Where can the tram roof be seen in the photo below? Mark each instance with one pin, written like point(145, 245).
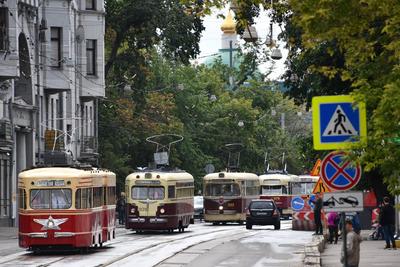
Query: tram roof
point(308, 177)
point(231, 175)
point(163, 174)
point(64, 172)
point(280, 176)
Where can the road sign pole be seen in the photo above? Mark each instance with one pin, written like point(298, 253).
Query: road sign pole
point(344, 238)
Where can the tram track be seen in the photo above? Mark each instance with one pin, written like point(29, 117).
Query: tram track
point(45, 260)
point(132, 253)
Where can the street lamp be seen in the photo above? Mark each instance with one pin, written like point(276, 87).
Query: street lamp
point(250, 35)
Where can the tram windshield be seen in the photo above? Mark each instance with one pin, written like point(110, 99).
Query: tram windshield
point(273, 190)
point(228, 189)
point(302, 188)
point(51, 198)
point(148, 192)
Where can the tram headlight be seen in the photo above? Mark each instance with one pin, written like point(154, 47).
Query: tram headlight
point(133, 210)
point(221, 207)
point(162, 211)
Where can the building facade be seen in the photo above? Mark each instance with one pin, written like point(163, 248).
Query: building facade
point(51, 77)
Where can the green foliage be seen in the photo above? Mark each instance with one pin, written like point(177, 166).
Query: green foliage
point(193, 101)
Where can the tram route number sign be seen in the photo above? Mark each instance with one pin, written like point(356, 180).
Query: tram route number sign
point(348, 201)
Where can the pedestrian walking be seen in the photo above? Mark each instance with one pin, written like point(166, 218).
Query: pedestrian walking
point(352, 246)
point(317, 214)
point(387, 220)
point(121, 204)
point(333, 226)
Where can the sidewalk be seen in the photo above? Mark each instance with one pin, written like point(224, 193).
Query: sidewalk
point(371, 254)
point(9, 241)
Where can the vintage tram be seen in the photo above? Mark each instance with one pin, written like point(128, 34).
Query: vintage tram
point(304, 185)
point(66, 207)
point(227, 196)
point(159, 199)
point(276, 185)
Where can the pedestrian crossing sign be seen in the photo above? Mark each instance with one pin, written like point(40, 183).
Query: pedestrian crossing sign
point(339, 122)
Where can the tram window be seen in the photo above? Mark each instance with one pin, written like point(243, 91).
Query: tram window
point(111, 195)
point(87, 200)
point(171, 191)
point(105, 195)
point(184, 192)
point(22, 199)
point(143, 192)
point(78, 199)
point(97, 196)
point(230, 189)
point(273, 190)
point(90, 198)
point(51, 198)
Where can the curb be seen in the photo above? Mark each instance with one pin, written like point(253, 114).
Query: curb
point(313, 250)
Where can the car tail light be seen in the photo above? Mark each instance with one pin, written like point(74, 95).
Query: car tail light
point(276, 213)
point(248, 212)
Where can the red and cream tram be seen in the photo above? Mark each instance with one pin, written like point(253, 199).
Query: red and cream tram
point(227, 196)
point(276, 186)
point(159, 199)
point(66, 207)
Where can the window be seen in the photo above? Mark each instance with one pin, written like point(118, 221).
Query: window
point(3, 28)
point(252, 188)
point(228, 189)
point(184, 192)
point(55, 39)
point(171, 191)
point(152, 193)
point(22, 199)
point(90, 4)
point(97, 197)
point(111, 196)
point(262, 205)
point(91, 57)
point(273, 190)
point(51, 198)
point(83, 198)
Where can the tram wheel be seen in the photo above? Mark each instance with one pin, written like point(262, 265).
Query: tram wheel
point(223, 223)
point(215, 223)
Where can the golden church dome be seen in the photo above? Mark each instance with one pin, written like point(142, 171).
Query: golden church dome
point(229, 25)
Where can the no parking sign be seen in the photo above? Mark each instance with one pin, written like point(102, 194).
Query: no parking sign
point(338, 173)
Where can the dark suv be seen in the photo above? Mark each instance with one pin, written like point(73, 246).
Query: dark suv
point(263, 212)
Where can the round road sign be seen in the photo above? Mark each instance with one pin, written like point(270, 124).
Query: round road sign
point(297, 203)
point(339, 174)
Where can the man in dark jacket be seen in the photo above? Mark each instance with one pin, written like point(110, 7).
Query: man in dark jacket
point(121, 204)
point(387, 220)
point(317, 214)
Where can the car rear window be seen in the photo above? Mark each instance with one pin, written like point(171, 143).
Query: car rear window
point(262, 205)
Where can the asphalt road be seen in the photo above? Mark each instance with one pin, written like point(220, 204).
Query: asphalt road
point(201, 245)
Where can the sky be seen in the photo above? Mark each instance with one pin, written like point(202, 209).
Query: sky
point(211, 40)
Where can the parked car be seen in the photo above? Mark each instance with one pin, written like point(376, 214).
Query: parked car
point(198, 207)
point(263, 212)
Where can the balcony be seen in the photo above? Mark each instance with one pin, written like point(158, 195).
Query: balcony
point(6, 141)
point(89, 150)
